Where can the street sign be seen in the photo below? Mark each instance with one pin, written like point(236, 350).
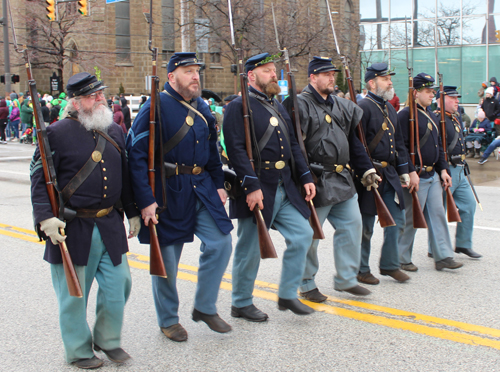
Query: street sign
point(113, 1)
point(283, 84)
point(55, 83)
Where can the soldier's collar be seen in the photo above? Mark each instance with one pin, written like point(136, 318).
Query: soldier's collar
point(261, 94)
point(318, 96)
point(376, 98)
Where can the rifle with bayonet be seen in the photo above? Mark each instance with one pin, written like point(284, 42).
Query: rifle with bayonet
point(451, 207)
point(418, 216)
point(267, 249)
point(313, 219)
point(383, 213)
point(156, 264)
point(49, 171)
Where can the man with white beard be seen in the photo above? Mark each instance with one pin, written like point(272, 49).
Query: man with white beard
point(91, 166)
point(388, 152)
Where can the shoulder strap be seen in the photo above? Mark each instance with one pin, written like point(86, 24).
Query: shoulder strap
point(79, 178)
point(192, 107)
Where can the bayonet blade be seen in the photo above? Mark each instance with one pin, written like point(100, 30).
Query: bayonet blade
point(230, 12)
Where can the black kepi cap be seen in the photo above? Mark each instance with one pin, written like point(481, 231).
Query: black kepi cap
point(321, 64)
point(450, 91)
point(377, 70)
point(83, 84)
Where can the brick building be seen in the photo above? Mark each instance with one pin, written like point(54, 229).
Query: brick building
point(114, 38)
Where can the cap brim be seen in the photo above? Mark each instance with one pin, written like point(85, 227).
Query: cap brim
point(326, 69)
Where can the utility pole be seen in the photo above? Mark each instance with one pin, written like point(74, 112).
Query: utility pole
point(5, 23)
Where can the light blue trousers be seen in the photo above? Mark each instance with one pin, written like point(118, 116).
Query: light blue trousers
point(346, 220)
point(430, 194)
point(466, 204)
point(114, 283)
point(298, 237)
point(215, 253)
point(389, 258)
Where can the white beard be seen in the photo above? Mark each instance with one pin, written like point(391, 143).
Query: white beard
point(99, 118)
point(386, 95)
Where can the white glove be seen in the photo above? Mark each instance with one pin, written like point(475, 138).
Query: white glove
point(370, 179)
point(51, 228)
point(405, 179)
point(134, 224)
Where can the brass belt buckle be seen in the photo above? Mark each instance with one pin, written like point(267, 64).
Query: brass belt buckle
point(280, 164)
point(102, 213)
point(196, 170)
point(428, 168)
point(339, 168)
point(462, 157)
point(384, 164)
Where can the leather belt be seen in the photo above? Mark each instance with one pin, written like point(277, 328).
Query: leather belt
point(425, 168)
point(272, 164)
point(318, 168)
point(93, 213)
point(176, 169)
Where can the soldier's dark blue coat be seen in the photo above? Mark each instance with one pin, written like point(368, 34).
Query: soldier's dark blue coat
point(276, 149)
point(198, 147)
point(432, 151)
point(390, 149)
point(72, 145)
point(452, 124)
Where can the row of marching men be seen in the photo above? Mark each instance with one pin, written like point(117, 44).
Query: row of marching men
point(336, 174)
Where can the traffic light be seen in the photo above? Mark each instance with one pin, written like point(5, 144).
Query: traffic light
point(14, 79)
point(497, 35)
point(51, 10)
point(83, 10)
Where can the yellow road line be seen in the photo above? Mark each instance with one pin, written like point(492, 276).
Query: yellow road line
point(142, 262)
point(363, 305)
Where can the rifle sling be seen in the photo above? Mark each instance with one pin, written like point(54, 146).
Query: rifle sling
point(456, 137)
point(184, 129)
point(270, 129)
point(378, 137)
point(79, 178)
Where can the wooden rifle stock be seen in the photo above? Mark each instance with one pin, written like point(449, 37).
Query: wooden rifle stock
point(384, 216)
point(418, 216)
point(451, 208)
point(156, 264)
point(313, 219)
point(74, 288)
point(266, 245)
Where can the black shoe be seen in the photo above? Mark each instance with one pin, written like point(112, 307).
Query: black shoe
point(213, 321)
point(469, 252)
point(295, 306)
point(250, 313)
point(89, 363)
point(356, 290)
point(430, 255)
point(314, 295)
point(116, 355)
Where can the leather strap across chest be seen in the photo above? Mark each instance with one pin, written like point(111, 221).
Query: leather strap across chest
point(96, 156)
point(378, 137)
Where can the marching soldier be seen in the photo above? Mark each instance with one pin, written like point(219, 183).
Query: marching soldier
point(270, 187)
point(461, 190)
point(329, 124)
point(195, 195)
point(91, 166)
point(428, 184)
point(387, 149)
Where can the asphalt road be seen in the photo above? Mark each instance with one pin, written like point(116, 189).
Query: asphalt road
point(438, 321)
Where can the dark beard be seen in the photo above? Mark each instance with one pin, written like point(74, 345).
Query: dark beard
point(327, 91)
point(270, 89)
point(184, 91)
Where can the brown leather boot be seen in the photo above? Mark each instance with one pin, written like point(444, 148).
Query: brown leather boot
point(367, 278)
